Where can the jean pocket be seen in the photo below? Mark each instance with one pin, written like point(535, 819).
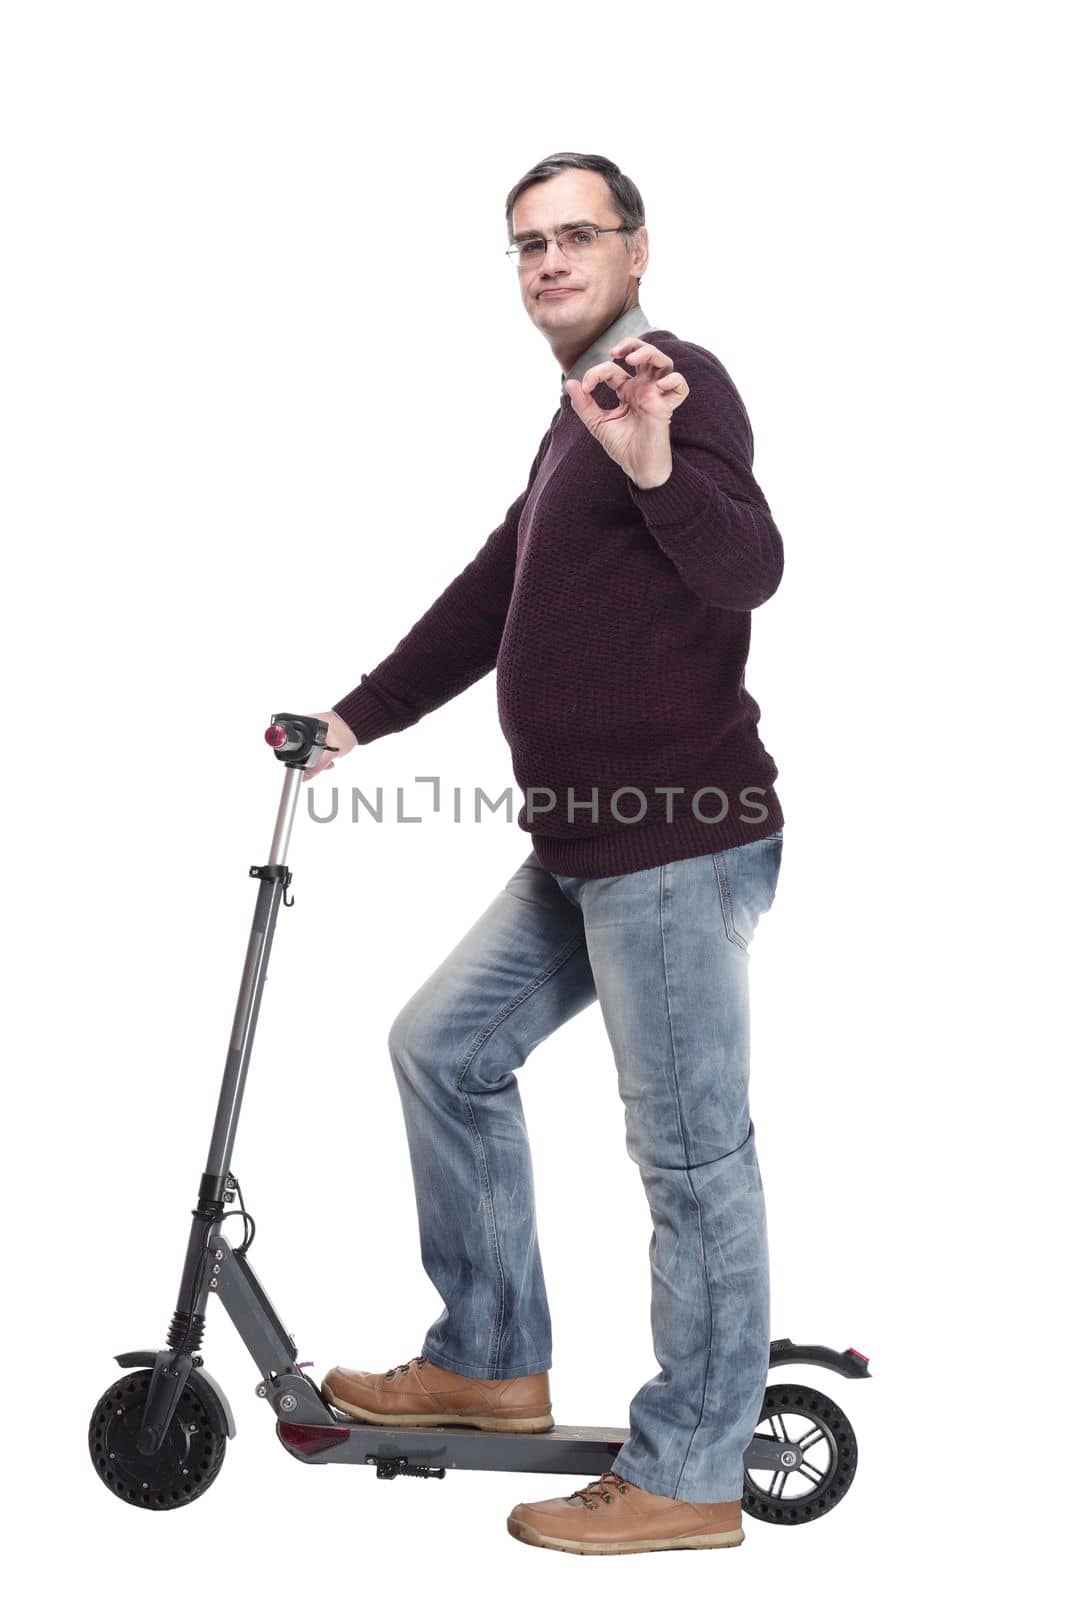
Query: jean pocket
point(747, 876)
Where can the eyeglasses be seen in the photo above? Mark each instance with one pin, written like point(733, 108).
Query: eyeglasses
point(572, 242)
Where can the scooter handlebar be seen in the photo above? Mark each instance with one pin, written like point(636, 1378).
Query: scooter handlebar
point(295, 739)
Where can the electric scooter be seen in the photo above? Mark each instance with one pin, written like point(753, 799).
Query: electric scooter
point(158, 1435)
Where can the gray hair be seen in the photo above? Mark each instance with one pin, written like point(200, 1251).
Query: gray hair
point(624, 192)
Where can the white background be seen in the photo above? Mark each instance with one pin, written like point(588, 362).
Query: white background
point(267, 386)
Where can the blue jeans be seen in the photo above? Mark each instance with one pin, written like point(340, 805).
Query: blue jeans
point(665, 951)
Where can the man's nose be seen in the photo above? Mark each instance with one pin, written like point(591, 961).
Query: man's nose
point(560, 259)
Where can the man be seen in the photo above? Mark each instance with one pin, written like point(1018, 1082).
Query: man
point(614, 601)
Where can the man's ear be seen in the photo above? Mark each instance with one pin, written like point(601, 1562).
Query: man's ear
point(640, 249)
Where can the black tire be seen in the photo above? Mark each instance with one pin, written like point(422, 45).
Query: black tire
point(185, 1466)
point(822, 1436)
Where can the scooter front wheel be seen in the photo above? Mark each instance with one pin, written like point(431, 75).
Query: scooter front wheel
point(822, 1450)
point(182, 1469)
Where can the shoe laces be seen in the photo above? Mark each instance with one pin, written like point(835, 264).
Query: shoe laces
point(416, 1361)
point(606, 1486)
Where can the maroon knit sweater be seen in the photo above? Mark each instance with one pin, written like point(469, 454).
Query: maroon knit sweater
point(618, 620)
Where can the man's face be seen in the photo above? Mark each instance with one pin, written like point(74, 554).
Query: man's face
point(598, 285)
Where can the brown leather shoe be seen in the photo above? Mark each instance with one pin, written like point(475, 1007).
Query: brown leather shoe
point(612, 1517)
point(418, 1394)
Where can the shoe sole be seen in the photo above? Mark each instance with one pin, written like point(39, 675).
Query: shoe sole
point(582, 1547)
point(442, 1418)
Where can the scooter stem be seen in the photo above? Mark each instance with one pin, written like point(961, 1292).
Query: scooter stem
point(274, 880)
point(294, 740)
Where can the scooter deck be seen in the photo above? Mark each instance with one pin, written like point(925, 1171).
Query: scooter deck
point(562, 1449)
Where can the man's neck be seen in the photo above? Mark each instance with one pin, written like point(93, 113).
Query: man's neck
point(630, 322)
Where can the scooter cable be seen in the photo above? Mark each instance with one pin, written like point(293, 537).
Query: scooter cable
point(249, 1222)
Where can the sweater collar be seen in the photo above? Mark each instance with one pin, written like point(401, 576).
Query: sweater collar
point(630, 323)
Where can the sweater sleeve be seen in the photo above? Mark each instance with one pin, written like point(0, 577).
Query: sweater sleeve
point(710, 516)
point(452, 645)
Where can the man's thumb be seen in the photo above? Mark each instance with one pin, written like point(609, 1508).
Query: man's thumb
point(583, 403)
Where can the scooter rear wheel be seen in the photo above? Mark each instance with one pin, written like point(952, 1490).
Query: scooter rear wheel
point(820, 1436)
point(181, 1470)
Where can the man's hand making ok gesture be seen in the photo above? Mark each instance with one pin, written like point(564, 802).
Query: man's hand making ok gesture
point(637, 433)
